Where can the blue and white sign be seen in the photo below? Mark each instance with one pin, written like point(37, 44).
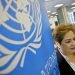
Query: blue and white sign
point(26, 45)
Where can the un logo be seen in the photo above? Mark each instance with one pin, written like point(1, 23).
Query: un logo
point(20, 24)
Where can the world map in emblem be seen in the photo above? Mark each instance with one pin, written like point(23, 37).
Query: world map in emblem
point(20, 24)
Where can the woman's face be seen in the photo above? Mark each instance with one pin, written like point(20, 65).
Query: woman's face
point(68, 43)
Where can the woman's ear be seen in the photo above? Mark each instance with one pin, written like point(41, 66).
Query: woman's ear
point(57, 45)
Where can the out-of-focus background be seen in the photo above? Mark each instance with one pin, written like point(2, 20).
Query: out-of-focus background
point(60, 11)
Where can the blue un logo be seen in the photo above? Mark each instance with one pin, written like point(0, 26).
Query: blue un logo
point(20, 23)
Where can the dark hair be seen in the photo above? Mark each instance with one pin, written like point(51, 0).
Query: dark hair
point(61, 30)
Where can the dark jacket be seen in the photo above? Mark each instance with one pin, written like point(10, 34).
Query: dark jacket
point(64, 67)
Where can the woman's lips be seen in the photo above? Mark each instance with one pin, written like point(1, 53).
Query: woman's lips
point(73, 48)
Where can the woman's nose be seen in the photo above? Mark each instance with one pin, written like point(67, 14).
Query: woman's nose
point(73, 42)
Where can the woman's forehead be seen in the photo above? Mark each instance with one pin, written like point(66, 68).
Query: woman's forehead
point(68, 35)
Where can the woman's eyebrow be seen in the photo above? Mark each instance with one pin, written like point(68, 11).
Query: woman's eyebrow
point(67, 39)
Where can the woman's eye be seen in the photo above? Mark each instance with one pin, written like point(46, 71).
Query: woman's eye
point(67, 41)
point(74, 38)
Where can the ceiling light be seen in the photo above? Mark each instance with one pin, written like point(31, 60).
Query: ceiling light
point(53, 13)
point(51, 16)
point(73, 8)
point(73, 3)
point(56, 14)
point(58, 5)
point(46, 0)
point(48, 11)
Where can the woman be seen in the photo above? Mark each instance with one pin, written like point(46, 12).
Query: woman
point(64, 36)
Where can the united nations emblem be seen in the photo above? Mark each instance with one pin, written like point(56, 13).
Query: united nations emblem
point(20, 24)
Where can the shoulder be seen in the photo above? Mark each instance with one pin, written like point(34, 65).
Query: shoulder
point(64, 67)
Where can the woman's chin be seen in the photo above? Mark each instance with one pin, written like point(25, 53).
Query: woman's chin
point(73, 50)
